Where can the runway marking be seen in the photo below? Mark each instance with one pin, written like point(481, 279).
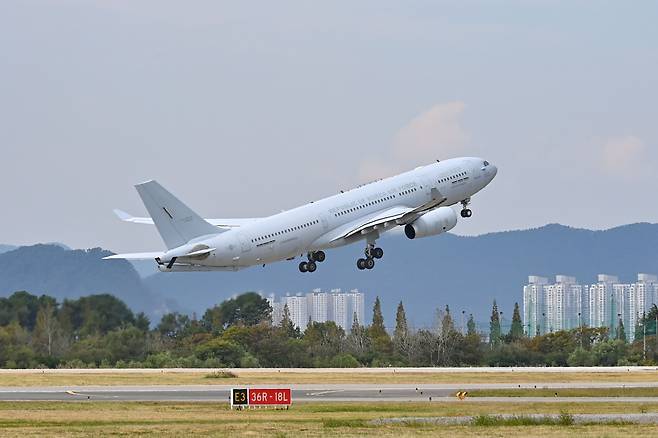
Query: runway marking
point(325, 392)
point(70, 392)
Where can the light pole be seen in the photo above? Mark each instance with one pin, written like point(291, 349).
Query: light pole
point(463, 328)
point(618, 326)
point(580, 326)
point(644, 340)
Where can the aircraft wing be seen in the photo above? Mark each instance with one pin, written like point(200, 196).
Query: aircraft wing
point(398, 215)
point(221, 223)
point(381, 220)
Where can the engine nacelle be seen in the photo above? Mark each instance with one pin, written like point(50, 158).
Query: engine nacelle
point(434, 222)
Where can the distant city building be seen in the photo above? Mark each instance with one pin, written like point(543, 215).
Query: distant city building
point(601, 302)
point(318, 306)
point(298, 308)
point(642, 295)
point(339, 309)
point(566, 304)
point(357, 307)
point(563, 304)
point(277, 309)
point(533, 305)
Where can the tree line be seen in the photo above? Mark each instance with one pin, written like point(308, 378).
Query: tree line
point(101, 331)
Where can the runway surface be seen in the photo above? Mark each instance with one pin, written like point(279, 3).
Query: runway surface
point(312, 393)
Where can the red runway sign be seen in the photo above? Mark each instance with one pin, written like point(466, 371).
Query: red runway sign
point(269, 396)
point(261, 397)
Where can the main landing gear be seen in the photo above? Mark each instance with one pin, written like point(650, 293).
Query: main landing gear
point(313, 257)
point(371, 253)
point(466, 212)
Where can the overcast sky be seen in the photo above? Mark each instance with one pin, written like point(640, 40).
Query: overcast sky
point(246, 108)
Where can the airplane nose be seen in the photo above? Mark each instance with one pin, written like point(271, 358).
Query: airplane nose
point(494, 170)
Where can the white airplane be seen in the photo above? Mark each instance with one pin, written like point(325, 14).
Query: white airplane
point(418, 200)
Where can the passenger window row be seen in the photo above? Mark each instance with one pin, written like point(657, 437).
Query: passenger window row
point(452, 177)
point(287, 230)
point(367, 204)
point(406, 192)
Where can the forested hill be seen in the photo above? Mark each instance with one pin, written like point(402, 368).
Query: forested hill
point(63, 273)
point(5, 248)
point(465, 272)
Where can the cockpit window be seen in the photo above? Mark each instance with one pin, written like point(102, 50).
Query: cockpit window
point(486, 163)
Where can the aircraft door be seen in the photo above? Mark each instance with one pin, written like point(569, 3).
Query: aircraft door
point(245, 243)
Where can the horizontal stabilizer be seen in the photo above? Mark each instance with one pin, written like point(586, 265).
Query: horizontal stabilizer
point(129, 218)
point(136, 256)
point(220, 223)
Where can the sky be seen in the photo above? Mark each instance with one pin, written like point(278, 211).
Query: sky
point(245, 108)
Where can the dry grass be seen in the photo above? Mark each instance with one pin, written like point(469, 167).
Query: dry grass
point(566, 392)
point(251, 378)
point(348, 419)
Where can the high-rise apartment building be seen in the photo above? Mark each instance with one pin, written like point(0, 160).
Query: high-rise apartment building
point(319, 306)
point(602, 311)
point(566, 304)
point(298, 308)
point(533, 306)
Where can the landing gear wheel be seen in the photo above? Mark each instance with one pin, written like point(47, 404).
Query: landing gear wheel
point(311, 266)
point(303, 267)
point(466, 213)
point(319, 256)
point(370, 263)
point(378, 253)
point(361, 264)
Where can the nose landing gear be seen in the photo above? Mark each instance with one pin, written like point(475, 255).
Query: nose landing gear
point(466, 212)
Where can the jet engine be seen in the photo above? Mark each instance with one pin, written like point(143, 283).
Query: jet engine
point(434, 222)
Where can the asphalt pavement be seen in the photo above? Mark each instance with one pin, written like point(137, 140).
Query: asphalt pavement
point(316, 392)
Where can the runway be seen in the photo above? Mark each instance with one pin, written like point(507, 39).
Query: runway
point(313, 393)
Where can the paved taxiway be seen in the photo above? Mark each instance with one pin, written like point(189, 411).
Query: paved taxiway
point(316, 392)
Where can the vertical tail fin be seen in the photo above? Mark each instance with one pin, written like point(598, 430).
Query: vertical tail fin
point(176, 223)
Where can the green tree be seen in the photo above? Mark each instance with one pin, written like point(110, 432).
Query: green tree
point(323, 341)
point(142, 322)
point(22, 307)
point(401, 333)
point(401, 329)
point(471, 329)
point(246, 309)
point(377, 331)
point(288, 326)
point(173, 325)
point(97, 314)
point(358, 342)
point(447, 323)
point(516, 331)
point(226, 352)
point(46, 330)
point(621, 332)
point(494, 325)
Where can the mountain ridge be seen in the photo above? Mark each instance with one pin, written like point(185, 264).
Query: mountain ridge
point(465, 272)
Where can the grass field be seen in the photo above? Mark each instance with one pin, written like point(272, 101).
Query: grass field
point(566, 392)
point(347, 419)
point(117, 377)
